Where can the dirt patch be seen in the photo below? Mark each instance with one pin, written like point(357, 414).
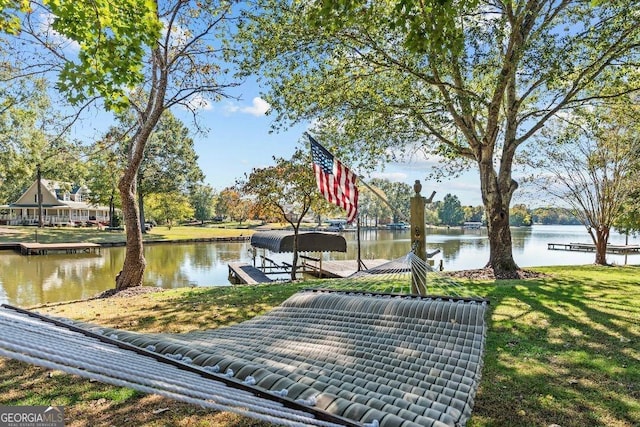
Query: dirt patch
point(489, 274)
point(129, 292)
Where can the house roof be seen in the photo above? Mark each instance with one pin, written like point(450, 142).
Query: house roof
point(55, 191)
point(282, 241)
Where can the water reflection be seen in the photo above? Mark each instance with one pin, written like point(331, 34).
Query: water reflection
point(31, 280)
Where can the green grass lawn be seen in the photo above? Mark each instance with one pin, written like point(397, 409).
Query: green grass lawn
point(94, 235)
point(563, 349)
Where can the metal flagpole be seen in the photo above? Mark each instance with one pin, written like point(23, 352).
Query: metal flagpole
point(361, 265)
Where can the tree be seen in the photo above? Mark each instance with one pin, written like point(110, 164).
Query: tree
point(473, 213)
point(628, 219)
point(201, 198)
point(554, 215)
point(383, 92)
point(431, 214)
point(170, 162)
point(170, 208)
point(595, 168)
point(451, 212)
point(9, 19)
point(520, 216)
point(398, 195)
point(227, 199)
point(32, 136)
point(145, 55)
point(105, 164)
point(370, 206)
point(289, 187)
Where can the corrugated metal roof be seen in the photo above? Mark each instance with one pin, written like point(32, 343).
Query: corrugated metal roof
point(282, 241)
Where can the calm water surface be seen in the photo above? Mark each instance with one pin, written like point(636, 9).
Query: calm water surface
point(31, 280)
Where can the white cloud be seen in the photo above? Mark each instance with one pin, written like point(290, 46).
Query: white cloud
point(391, 176)
point(46, 28)
point(414, 157)
point(199, 102)
point(258, 107)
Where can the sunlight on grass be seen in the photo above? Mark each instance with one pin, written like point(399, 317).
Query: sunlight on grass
point(563, 349)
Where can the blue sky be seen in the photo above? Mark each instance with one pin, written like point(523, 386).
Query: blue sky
point(239, 139)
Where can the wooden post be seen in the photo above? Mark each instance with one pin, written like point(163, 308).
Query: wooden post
point(39, 177)
point(418, 238)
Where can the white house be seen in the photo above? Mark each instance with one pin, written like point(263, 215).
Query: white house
point(62, 204)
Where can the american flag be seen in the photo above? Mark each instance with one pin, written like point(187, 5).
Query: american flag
point(335, 181)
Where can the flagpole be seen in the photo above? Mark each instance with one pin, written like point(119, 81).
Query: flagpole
point(361, 265)
point(358, 239)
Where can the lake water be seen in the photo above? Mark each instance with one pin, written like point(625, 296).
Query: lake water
point(30, 280)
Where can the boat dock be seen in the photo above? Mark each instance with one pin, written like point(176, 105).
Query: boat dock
point(337, 269)
point(69, 248)
point(241, 273)
point(590, 247)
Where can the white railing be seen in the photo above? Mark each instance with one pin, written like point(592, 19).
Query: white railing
point(53, 220)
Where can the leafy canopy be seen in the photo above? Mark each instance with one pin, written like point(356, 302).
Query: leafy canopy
point(427, 25)
point(9, 20)
point(112, 37)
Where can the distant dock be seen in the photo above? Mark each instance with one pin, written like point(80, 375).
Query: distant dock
point(590, 247)
point(69, 248)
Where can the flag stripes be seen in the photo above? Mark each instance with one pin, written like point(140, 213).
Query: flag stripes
point(335, 181)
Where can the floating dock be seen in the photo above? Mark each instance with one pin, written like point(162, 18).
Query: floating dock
point(590, 247)
point(69, 248)
point(338, 269)
point(241, 273)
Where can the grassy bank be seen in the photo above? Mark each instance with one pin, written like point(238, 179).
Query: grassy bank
point(94, 235)
point(564, 349)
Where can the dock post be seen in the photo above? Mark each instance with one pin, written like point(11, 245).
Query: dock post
point(418, 238)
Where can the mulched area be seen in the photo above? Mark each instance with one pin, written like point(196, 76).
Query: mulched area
point(489, 274)
point(129, 292)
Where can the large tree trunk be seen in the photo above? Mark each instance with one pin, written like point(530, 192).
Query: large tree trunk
point(601, 239)
point(496, 196)
point(500, 249)
point(134, 262)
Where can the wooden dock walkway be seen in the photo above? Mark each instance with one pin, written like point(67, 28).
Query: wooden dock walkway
point(69, 248)
point(590, 247)
point(336, 269)
point(241, 273)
